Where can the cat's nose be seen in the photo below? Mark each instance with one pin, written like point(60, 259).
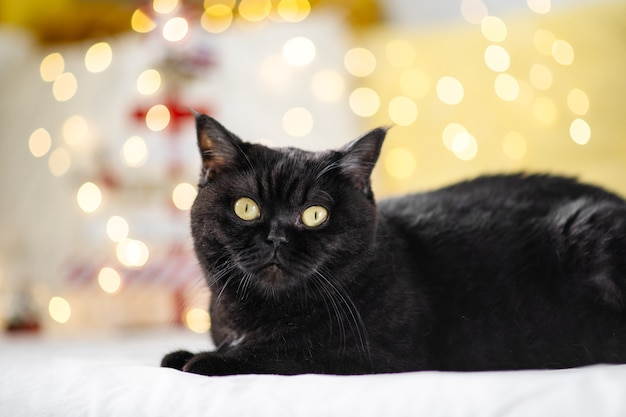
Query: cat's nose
point(277, 239)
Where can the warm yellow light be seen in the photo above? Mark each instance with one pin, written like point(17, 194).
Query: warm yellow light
point(493, 29)
point(216, 18)
point(75, 130)
point(400, 53)
point(184, 195)
point(228, 3)
point(64, 87)
point(402, 110)
point(164, 6)
point(51, 67)
point(175, 29)
point(400, 163)
point(540, 77)
point(293, 11)
point(562, 52)
point(39, 142)
point(414, 83)
point(464, 146)
point(543, 41)
point(141, 22)
point(473, 11)
point(117, 228)
point(158, 117)
point(359, 62)
point(89, 197)
point(254, 10)
point(506, 87)
point(132, 253)
point(539, 6)
point(134, 152)
point(299, 51)
point(328, 85)
point(98, 57)
point(59, 309)
point(544, 110)
point(578, 102)
point(109, 280)
point(149, 82)
point(450, 90)
point(514, 146)
point(364, 102)
point(59, 162)
point(298, 122)
point(450, 132)
point(580, 131)
point(497, 58)
point(197, 320)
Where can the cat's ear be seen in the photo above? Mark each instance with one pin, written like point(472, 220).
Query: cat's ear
point(220, 149)
point(360, 156)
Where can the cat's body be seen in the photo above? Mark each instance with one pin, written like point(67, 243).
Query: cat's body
point(502, 272)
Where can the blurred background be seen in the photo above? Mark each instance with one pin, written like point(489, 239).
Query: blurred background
point(98, 156)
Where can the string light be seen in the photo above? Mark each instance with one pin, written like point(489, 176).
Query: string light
point(360, 62)
point(497, 58)
point(64, 87)
point(175, 29)
point(134, 152)
point(164, 6)
point(59, 162)
point(197, 320)
point(580, 131)
point(578, 102)
point(39, 142)
point(544, 111)
point(117, 228)
point(158, 117)
point(293, 11)
point(51, 67)
point(450, 90)
point(543, 41)
point(364, 102)
point(514, 146)
point(299, 51)
point(98, 57)
point(473, 11)
point(109, 280)
point(562, 52)
point(216, 18)
point(493, 29)
point(464, 146)
point(402, 110)
point(75, 130)
point(539, 6)
point(141, 22)
point(328, 85)
point(414, 83)
point(450, 132)
point(149, 82)
point(89, 197)
point(298, 122)
point(254, 10)
point(59, 309)
point(506, 87)
point(400, 53)
point(400, 163)
point(540, 77)
point(184, 195)
point(132, 253)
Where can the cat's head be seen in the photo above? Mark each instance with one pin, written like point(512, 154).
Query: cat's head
point(274, 219)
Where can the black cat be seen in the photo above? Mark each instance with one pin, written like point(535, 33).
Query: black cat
point(309, 275)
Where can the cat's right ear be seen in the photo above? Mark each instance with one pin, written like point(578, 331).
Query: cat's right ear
point(220, 149)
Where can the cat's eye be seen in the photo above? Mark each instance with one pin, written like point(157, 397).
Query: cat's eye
point(247, 209)
point(314, 216)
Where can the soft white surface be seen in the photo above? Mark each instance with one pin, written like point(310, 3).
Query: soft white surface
point(120, 377)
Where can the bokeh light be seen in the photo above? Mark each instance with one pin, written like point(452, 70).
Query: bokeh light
point(184, 195)
point(149, 82)
point(254, 10)
point(216, 18)
point(298, 122)
point(175, 29)
point(89, 197)
point(359, 62)
point(364, 102)
point(450, 90)
point(540, 77)
point(493, 29)
point(402, 110)
point(197, 320)
point(400, 163)
point(98, 57)
point(64, 87)
point(578, 102)
point(293, 11)
point(117, 228)
point(497, 58)
point(51, 67)
point(59, 309)
point(473, 11)
point(464, 146)
point(414, 83)
point(328, 85)
point(39, 142)
point(75, 130)
point(132, 253)
point(164, 6)
point(450, 132)
point(59, 162)
point(134, 152)
point(539, 6)
point(514, 146)
point(109, 280)
point(141, 22)
point(506, 87)
point(543, 41)
point(299, 51)
point(400, 53)
point(158, 117)
point(562, 52)
point(544, 111)
point(580, 131)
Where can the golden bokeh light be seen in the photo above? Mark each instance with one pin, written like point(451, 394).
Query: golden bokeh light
point(543, 41)
point(450, 90)
point(562, 52)
point(141, 22)
point(216, 18)
point(109, 280)
point(359, 62)
point(400, 53)
point(493, 29)
point(400, 163)
point(134, 152)
point(132, 253)
point(506, 87)
point(64, 87)
point(175, 29)
point(39, 142)
point(89, 197)
point(298, 122)
point(98, 57)
point(402, 110)
point(540, 77)
point(364, 102)
point(474, 11)
point(117, 228)
point(254, 10)
point(149, 82)
point(578, 102)
point(51, 67)
point(59, 309)
point(184, 195)
point(450, 132)
point(158, 117)
point(164, 6)
point(293, 11)
point(59, 162)
point(544, 111)
point(497, 58)
point(328, 85)
point(580, 131)
point(75, 130)
point(299, 51)
point(539, 6)
point(197, 320)
point(514, 146)
point(464, 146)
point(414, 83)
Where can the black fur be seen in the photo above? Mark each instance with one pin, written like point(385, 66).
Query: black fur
point(501, 272)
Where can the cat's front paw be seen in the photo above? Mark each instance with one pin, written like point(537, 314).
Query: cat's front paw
point(211, 364)
point(176, 360)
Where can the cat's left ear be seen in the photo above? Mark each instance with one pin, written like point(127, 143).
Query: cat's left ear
point(360, 156)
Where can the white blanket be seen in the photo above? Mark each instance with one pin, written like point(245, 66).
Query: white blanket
point(121, 378)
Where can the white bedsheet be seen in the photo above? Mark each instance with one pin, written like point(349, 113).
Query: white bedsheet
point(121, 377)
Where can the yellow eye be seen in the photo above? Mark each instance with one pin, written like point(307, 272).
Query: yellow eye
point(247, 209)
point(314, 216)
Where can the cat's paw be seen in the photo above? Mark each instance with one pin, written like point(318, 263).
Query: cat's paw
point(176, 360)
point(211, 364)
